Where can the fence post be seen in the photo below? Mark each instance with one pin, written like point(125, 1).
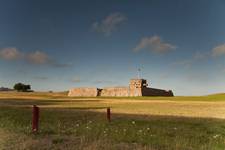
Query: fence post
point(35, 119)
point(108, 114)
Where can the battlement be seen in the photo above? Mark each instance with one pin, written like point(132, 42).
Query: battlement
point(138, 83)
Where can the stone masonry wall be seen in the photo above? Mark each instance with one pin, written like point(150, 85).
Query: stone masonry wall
point(137, 87)
point(82, 92)
point(115, 91)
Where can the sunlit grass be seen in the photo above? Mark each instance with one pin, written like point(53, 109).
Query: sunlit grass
point(205, 106)
point(63, 95)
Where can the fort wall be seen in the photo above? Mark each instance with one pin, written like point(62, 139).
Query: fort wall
point(137, 87)
point(156, 92)
point(115, 91)
point(82, 92)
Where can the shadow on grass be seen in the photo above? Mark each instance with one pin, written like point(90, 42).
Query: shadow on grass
point(157, 132)
point(23, 102)
point(92, 111)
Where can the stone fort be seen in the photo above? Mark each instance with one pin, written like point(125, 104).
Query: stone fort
point(137, 87)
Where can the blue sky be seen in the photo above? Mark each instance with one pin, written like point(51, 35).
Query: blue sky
point(56, 45)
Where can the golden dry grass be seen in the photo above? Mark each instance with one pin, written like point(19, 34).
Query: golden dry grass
point(207, 107)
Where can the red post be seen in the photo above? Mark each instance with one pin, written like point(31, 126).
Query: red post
point(108, 114)
point(35, 119)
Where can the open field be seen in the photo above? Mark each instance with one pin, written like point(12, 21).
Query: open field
point(137, 123)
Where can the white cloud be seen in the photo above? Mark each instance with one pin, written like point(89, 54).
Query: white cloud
point(38, 57)
point(13, 53)
point(197, 57)
point(10, 53)
point(109, 24)
point(154, 44)
point(218, 50)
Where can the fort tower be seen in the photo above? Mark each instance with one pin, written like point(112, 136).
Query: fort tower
point(136, 86)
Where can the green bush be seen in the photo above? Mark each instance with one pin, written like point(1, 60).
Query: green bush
point(20, 87)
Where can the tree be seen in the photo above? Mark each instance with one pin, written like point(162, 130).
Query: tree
point(20, 87)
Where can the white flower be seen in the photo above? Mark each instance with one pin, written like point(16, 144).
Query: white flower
point(216, 136)
point(133, 122)
point(148, 129)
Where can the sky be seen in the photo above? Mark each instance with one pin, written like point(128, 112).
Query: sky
point(56, 45)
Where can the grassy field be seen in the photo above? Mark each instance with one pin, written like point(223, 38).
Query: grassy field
point(154, 123)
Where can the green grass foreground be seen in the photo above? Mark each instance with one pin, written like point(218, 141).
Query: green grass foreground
point(80, 123)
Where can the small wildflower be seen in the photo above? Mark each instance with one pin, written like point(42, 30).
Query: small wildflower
point(133, 122)
point(148, 129)
point(77, 125)
point(216, 136)
point(140, 131)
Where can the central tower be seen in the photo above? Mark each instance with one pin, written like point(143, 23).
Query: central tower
point(136, 86)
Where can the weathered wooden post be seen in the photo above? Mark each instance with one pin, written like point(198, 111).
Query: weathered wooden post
point(35, 119)
point(108, 114)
